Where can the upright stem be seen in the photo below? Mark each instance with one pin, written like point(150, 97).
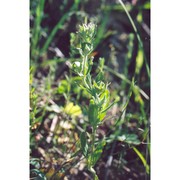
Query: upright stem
point(93, 139)
point(95, 177)
point(84, 65)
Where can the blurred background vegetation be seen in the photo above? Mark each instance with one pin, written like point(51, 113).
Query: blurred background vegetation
point(58, 105)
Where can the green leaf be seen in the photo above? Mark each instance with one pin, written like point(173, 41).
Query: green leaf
point(84, 145)
point(63, 87)
point(91, 169)
point(104, 104)
point(147, 5)
point(100, 76)
point(139, 61)
point(93, 113)
point(35, 162)
point(39, 174)
point(97, 153)
point(129, 138)
point(109, 106)
point(142, 159)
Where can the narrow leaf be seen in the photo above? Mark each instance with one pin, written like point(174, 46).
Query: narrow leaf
point(97, 153)
point(93, 113)
point(142, 159)
point(84, 145)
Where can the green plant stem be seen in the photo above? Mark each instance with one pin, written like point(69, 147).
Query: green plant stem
point(93, 139)
point(85, 83)
point(84, 64)
point(95, 177)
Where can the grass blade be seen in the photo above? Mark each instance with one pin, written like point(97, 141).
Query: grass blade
point(121, 76)
point(142, 159)
point(37, 25)
point(59, 25)
point(137, 34)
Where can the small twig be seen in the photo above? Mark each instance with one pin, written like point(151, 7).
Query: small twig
point(52, 128)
